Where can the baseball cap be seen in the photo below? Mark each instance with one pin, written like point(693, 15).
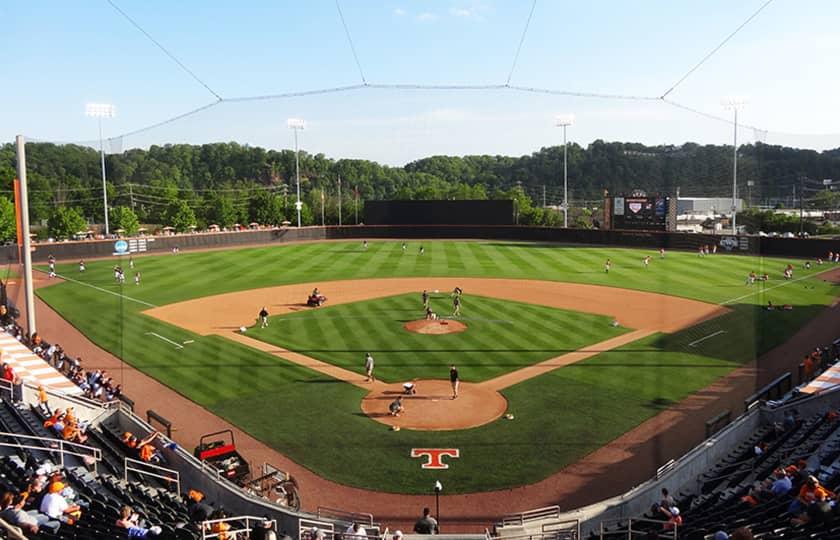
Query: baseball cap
point(56, 487)
point(398, 534)
point(721, 535)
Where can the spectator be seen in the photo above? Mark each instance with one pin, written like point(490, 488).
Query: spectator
point(667, 499)
point(221, 527)
point(355, 532)
point(56, 506)
point(263, 531)
point(811, 494)
point(197, 509)
point(144, 447)
point(14, 514)
point(743, 533)
point(426, 524)
point(131, 522)
point(42, 401)
point(672, 514)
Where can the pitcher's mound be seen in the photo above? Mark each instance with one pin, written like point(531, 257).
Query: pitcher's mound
point(440, 326)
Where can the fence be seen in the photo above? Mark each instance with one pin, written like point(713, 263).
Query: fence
point(141, 468)
point(250, 523)
point(50, 445)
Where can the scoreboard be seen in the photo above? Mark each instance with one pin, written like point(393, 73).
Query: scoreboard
point(641, 213)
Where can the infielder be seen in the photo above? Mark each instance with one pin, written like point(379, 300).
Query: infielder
point(369, 368)
point(456, 303)
point(425, 297)
point(454, 380)
point(263, 317)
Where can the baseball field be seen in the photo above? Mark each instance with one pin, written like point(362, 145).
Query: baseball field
point(540, 345)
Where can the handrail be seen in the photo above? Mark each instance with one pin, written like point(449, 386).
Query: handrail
point(207, 524)
point(531, 515)
point(127, 468)
point(305, 527)
point(669, 533)
point(95, 453)
point(364, 518)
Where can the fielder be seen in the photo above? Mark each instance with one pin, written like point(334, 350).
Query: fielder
point(263, 317)
point(607, 266)
point(369, 368)
point(456, 303)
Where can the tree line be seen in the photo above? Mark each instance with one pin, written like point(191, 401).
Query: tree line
point(226, 183)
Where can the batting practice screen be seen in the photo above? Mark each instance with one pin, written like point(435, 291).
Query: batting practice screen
point(640, 213)
point(439, 212)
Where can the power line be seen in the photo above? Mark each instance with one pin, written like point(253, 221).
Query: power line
point(521, 41)
point(716, 49)
point(350, 41)
point(164, 49)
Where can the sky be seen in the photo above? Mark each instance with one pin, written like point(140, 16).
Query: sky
point(59, 55)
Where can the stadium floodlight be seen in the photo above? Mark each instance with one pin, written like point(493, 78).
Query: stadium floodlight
point(100, 111)
point(734, 103)
point(564, 121)
point(297, 124)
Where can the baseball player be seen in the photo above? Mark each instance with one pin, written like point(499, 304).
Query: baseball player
point(662, 253)
point(369, 368)
point(607, 266)
point(454, 380)
point(137, 278)
point(425, 297)
point(646, 260)
point(422, 250)
point(403, 247)
point(263, 317)
point(82, 265)
point(131, 262)
point(364, 244)
point(456, 303)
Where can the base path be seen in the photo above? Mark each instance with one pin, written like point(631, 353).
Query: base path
point(479, 403)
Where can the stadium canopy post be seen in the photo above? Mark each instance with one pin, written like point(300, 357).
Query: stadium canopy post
point(296, 124)
point(564, 121)
point(734, 103)
point(24, 226)
point(100, 111)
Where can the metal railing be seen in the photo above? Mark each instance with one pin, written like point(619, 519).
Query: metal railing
point(528, 516)
point(250, 523)
point(670, 534)
point(58, 445)
point(173, 475)
point(362, 518)
point(306, 526)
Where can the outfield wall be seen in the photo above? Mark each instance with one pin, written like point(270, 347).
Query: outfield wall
point(793, 247)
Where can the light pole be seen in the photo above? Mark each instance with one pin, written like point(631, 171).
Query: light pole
point(297, 124)
point(564, 121)
point(734, 103)
point(438, 489)
point(100, 111)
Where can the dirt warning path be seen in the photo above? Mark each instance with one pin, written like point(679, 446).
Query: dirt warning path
point(645, 312)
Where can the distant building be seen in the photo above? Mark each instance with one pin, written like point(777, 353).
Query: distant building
point(707, 205)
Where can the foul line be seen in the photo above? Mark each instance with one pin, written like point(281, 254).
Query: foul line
point(702, 339)
point(782, 284)
point(165, 339)
point(65, 278)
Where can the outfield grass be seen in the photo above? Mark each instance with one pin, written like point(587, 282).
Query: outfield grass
point(502, 336)
point(560, 416)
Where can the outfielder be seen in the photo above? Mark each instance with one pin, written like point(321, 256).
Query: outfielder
point(369, 368)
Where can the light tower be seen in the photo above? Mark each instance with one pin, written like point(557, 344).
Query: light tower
point(564, 121)
point(100, 111)
point(297, 124)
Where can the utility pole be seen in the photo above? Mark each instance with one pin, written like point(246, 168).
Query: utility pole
point(323, 213)
point(801, 204)
point(131, 195)
point(543, 195)
point(339, 200)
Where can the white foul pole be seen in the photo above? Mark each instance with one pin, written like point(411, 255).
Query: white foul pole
point(27, 252)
